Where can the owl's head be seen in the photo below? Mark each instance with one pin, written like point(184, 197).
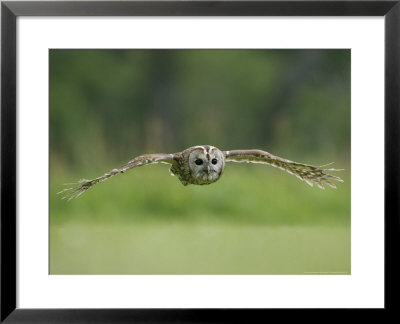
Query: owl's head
point(206, 164)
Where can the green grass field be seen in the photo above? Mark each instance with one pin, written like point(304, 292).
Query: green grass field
point(254, 220)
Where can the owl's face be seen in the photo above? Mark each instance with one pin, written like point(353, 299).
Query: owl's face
point(206, 164)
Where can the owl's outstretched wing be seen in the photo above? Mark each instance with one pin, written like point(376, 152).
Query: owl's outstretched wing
point(83, 184)
point(308, 173)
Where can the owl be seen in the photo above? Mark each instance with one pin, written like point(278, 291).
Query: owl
point(204, 164)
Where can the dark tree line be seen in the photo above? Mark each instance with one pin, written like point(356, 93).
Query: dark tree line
point(109, 105)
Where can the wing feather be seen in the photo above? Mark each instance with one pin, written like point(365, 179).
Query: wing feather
point(82, 185)
point(308, 173)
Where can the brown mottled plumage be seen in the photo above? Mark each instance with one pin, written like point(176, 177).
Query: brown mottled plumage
point(205, 164)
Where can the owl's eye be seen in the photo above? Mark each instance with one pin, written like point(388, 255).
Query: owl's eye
point(199, 161)
point(214, 161)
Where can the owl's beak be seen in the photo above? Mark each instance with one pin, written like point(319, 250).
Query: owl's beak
point(208, 170)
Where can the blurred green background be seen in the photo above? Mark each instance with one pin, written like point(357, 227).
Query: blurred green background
point(108, 106)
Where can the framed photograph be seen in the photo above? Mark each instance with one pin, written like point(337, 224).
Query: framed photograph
point(305, 92)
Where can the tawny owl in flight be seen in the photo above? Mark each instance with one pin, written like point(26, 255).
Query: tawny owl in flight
point(201, 165)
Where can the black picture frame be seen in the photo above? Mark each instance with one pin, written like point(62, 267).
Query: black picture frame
point(10, 10)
